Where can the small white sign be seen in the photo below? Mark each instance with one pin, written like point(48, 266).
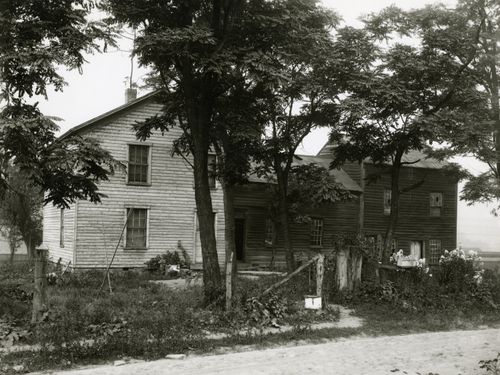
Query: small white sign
point(312, 302)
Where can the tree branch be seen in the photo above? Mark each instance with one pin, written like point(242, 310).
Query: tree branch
point(412, 187)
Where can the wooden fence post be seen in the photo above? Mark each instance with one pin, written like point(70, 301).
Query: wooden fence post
point(320, 269)
point(342, 276)
point(40, 290)
point(229, 285)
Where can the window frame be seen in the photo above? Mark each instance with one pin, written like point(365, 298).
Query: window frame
point(387, 207)
point(126, 246)
point(149, 155)
point(436, 208)
point(436, 257)
point(212, 173)
point(270, 232)
point(313, 235)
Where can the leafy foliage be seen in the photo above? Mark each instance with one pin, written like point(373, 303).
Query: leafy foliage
point(20, 210)
point(35, 39)
point(408, 96)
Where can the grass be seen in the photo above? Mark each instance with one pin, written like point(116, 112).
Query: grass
point(146, 320)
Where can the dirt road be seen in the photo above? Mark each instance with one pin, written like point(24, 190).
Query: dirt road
point(440, 353)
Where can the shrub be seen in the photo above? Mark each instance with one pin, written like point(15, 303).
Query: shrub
point(456, 269)
point(456, 285)
point(159, 262)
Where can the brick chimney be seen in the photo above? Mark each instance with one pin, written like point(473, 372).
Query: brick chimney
point(130, 94)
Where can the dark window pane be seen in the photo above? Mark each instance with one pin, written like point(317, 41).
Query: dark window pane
point(136, 228)
point(138, 163)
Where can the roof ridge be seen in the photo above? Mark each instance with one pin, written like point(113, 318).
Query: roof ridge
point(109, 113)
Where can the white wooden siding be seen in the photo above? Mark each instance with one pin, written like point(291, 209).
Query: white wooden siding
point(170, 199)
point(51, 231)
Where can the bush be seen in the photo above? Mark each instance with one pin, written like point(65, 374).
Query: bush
point(455, 285)
point(159, 262)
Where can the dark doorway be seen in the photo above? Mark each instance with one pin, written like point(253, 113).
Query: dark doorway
point(239, 238)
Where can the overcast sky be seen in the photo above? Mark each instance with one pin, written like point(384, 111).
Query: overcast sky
point(101, 88)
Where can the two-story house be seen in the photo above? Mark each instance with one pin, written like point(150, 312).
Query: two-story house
point(156, 193)
point(427, 223)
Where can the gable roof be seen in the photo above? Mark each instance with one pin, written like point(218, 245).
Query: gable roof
point(416, 157)
point(339, 175)
point(115, 111)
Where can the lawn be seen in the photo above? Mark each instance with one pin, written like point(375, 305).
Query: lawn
point(147, 320)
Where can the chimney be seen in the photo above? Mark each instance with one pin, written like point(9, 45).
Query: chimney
point(130, 94)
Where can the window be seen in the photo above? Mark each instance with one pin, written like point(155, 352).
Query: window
point(270, 232)
point(434, 251)
point(317, 232)
point(61, 228)
point(212, 171)
point(138, 164)
point(137, 228)
point(387, 201)
point(436, 204)
point(417, 249)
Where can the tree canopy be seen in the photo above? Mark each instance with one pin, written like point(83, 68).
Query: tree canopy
point(37, 37)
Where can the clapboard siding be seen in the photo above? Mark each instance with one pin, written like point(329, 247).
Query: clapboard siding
point(415, 222)
point(51, 232)
point(253, 202)
point(169, 198)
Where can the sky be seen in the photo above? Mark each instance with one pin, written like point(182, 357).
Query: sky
point(102, 84)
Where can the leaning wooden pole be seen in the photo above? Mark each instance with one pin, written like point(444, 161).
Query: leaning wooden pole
point(283, 281)
point(40, 305)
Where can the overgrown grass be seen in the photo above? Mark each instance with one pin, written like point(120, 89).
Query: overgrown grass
point(146, 320)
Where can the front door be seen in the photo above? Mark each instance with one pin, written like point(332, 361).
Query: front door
point(416, 249)
point(239, 238)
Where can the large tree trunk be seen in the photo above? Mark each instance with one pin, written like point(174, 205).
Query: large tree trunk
point(393, 219)
point(285, 222)
point(231, 264)
point(211, 272)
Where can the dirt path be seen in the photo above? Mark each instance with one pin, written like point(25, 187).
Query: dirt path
point(440, 353)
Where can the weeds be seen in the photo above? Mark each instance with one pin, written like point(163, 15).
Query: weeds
point(492, 366)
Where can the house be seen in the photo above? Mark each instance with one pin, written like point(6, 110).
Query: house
point(427, 222)
point(156, 194)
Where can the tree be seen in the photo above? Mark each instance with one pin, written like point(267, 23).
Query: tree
point(406, 99)
point(198, 49)
point(20, 213)
point(469, 34)
point(296, 94)
point(36, 38)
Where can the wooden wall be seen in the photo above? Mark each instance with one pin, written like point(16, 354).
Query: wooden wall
point(253, 203)
point(415, 222)
point(169, 198)
point(51, 233)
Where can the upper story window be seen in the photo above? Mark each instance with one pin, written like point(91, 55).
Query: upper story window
point(270, 232)
point(387, 201)
point(317, 232)
point(137, 228)
point(138, 164)
point(436, 204)
point(212, 170)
